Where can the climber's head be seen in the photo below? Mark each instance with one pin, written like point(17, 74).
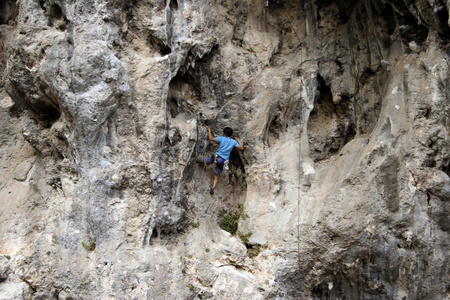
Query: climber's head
point(228, 131)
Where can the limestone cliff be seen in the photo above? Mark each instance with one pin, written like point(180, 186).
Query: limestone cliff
point(342, 190)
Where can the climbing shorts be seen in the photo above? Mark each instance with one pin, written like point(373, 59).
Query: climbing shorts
point(219, 164)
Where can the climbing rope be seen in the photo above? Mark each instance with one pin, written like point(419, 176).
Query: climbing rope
point(299, 184)
point(299, 152)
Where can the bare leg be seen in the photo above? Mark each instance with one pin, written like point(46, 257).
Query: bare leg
point(216, 180)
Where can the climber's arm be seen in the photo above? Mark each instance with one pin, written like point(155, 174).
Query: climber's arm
point(240, 147)
point(210, 136)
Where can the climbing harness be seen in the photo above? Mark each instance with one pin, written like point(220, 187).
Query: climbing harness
point(225, 163)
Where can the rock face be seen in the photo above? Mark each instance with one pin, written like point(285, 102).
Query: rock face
point(342, 190)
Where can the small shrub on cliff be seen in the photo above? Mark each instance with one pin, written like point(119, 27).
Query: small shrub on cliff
point(229, 221)
point(244, 236)
point(242, 214)
point(89, 246)
point(254, 250)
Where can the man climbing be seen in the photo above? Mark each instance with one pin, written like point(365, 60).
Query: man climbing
point(222, 155)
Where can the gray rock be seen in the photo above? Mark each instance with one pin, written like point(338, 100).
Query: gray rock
point(23, 168)
point(4, 268)
point(342, 189)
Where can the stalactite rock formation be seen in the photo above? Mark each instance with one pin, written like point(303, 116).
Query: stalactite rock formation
point(342, 190)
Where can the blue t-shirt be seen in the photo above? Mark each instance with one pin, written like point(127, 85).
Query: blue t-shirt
point(226, 145)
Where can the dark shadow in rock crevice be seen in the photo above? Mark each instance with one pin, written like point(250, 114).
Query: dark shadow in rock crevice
point(3, 59)
point(44, 106)
point(236, 159)
point(330, 126)
point(442, 17)
point(387, 13)
point(345, 9)
point(182, 97)
point(365, 76)
point(409, 28)
point(371, 85)
point(8, 12)
point(160, 45)
point(197, 78)
point(173, 107)
point(274, 129)
point(446, 169)
point(173, 4)
point(57, 18)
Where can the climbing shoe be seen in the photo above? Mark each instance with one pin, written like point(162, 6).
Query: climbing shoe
point(211, 191)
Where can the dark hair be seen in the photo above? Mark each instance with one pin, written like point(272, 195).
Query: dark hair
point(228, 131)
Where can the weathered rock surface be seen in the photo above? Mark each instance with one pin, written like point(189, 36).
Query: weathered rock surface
point(342, 190)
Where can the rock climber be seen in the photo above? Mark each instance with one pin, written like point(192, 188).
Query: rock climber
point(222, 155)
